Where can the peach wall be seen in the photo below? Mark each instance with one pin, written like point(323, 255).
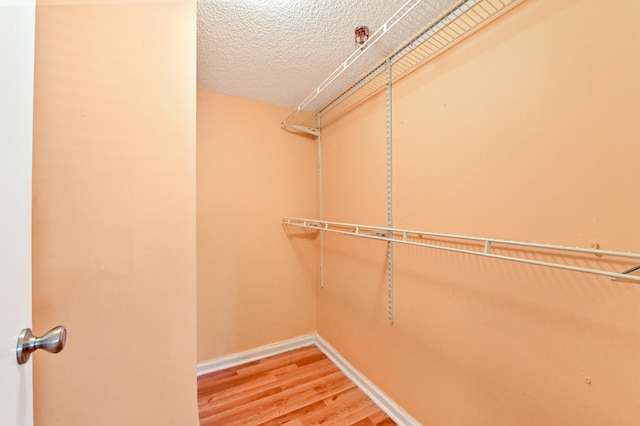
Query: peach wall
point(114, 212)
point(255, 285)
point(528, 130)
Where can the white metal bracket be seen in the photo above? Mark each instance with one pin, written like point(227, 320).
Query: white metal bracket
point(302, 129)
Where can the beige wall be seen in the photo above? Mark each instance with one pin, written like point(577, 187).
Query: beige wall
point(528, 131)
point(114, 213)
point(255, 285)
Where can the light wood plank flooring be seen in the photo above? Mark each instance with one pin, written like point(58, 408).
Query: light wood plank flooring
point(301, 387)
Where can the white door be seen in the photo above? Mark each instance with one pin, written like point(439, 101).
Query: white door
point(17, 38)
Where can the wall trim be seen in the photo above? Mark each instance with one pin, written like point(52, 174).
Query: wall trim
point(393, 410)
point(387, 405)
point(255, 354)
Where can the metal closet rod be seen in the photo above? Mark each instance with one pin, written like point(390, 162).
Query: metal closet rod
point(401, 236)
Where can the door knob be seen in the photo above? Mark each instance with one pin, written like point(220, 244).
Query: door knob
point(53, 341)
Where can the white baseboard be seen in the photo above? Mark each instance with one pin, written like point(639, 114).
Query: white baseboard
point(255, 354)
point(387, 405)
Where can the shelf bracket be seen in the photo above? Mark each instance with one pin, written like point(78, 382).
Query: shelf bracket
point(301, 129)
point(627, 272)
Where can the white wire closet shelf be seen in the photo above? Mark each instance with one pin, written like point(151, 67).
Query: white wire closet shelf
point(474, 245)
point(416, 33)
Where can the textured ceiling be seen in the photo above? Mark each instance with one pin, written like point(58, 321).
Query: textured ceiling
point(279, 51)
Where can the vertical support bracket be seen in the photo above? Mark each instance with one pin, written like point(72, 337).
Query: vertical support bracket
point(389, 196)
point(320, 241)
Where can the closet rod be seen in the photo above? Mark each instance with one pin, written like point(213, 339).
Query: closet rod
point(401, 236)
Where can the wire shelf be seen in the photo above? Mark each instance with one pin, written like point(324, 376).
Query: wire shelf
point(416, 33)
point(479, 246)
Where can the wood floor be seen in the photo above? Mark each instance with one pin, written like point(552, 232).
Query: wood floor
point(301, 387)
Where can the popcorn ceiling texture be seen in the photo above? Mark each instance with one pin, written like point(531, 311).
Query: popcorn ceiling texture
point(279, 51)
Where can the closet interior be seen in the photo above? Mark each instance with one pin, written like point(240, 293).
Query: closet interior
point(470, 238)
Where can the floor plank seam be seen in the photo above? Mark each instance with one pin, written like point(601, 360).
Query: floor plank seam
point(299, 387)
